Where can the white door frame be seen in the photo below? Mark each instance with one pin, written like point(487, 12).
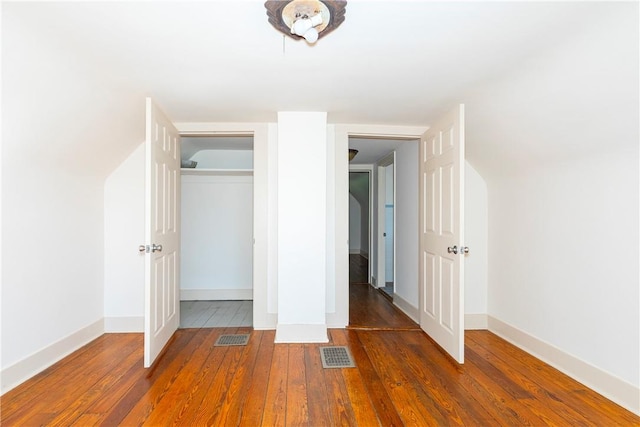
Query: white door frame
point(368, 169)
point(340, 318)
point(263, 317)
point(382, 214)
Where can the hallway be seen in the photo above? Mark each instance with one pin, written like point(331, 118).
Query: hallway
point(370, 308)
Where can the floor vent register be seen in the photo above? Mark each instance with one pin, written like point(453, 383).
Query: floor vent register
point(227, 340)
point(336, 357)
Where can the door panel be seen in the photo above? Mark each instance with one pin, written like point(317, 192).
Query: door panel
point(441, 205)
point(162, 232)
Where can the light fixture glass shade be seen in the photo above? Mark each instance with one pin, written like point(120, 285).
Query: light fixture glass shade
point(352, 153)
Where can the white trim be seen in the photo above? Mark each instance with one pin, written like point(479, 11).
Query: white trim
point(406, 307)
point(124, 324)
point(354, 251)
point(367, 168)
point(37, 362)
point(476, 321)
point(612, 387)
point(216, 294)
point(264, 144)
point(301, 334)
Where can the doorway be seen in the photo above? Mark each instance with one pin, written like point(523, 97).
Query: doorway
point(359, 226)
point(378, 156)
point(216, 287)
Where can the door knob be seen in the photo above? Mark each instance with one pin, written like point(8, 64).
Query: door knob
point(464, 249)
point(452, 250)
point(143, 248)
point(156, 248)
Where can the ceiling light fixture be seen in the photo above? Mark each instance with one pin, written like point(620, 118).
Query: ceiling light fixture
point(306, 19)
point(352, 153)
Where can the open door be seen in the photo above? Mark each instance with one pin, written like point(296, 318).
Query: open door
point(162, 232)
point(442, 233)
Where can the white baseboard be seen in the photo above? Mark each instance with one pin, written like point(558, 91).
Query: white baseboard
point(354, 251)
point(124, 324)
point(406, 308)
point(364, 254)
point(301, 333)
point(614, 388)
point(216, 294)
point(476, 321)
point(26, 368)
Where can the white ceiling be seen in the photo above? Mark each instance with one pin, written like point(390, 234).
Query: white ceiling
point(390, 62)
point(370, 150)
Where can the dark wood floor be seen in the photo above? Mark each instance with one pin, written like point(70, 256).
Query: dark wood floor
point(358, 269)
point(370, 309)
point(401, 378)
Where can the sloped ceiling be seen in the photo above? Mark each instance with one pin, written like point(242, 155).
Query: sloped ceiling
point(81, 70)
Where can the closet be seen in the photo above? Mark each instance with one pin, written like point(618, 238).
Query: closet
point(217, 218)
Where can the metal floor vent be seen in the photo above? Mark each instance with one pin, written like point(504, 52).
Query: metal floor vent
point(227, 340)
point(336, 357)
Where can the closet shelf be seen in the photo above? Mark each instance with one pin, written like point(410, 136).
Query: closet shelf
point(218, 172)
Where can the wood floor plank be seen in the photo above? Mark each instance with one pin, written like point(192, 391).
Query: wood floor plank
point(382, 403)
point(191, 405)
point(414, 410)
point(255, 401)
point(145, 378)
point(559, 414)
point(443, 375)
point(571, 395)
point(103, 386)
point(276, 399)
point(24, 395)
point(401, 378)
point(317, 394)
point(236, 393)
point(340, 407)
point(178, 392)
point(363, 408)
point(163, 382)
point(297, 410)
point(210, 407)
point(369, 309)
point(102, 359)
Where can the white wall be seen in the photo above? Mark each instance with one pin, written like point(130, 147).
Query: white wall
point(123, 233)
point(302, 209)
point(56, 122)
point(224, 159)
point(476, 238)
point(406, 210)
point(556, 140)
point(564, 258)
point(52, 286)
point(216, 237)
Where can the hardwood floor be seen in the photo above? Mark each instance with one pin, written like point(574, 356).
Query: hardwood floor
point(358, 269)
point(401, 378)
point(370, 309)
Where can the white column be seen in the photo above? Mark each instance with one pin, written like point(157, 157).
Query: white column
point(302, 227)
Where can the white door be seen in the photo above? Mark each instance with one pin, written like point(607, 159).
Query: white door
point(162, 232)
point(442, 233)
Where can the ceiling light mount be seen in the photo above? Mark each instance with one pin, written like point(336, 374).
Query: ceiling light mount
point(306, 19)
